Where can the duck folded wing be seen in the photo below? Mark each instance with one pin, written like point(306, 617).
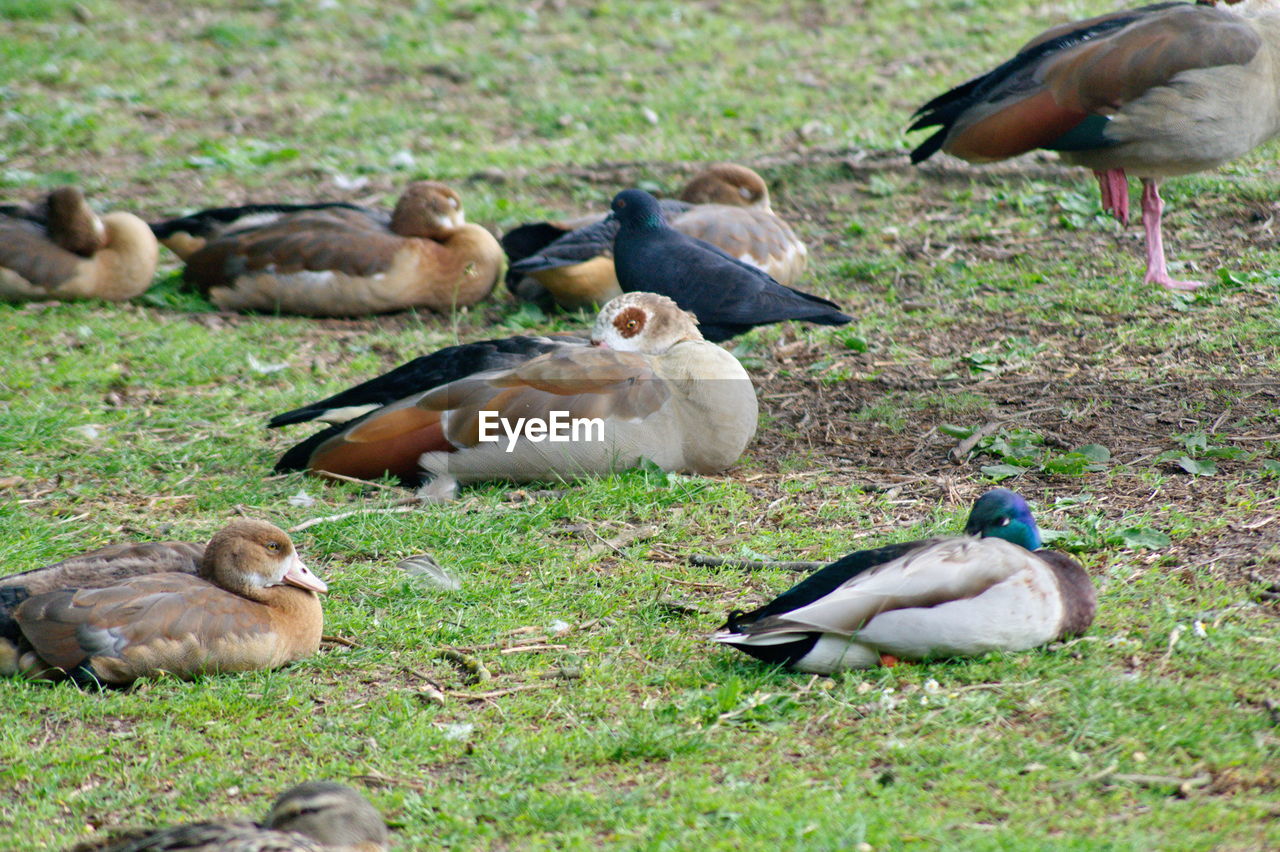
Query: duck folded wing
point(25, 251)
point(749, 234)
point(424, 373)
point(1058, 91)
point(952, 569)
point(109, 565)
point(306, 243)
point(576, 383)
point(164, 622)
point(1102, 75)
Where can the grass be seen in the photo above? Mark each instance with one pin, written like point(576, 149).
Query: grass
point(997, 295)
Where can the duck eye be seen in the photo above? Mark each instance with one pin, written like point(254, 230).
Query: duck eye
point(1003, 522)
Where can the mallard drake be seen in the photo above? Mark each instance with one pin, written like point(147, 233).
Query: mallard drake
point(256, 609)
point(657, 389)
point(341, 262)
point(61, 249)
point(186, 235)
point(993, 590)
point(726, 205)
point(317, 816)
point(1162, 90)
point(728, 297)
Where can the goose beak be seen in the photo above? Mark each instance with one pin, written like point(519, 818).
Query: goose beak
point(300, 575)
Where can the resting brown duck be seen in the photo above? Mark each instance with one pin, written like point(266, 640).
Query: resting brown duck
point(256, 608)
point(317, 816)
point(60, 249)
point(339, 261)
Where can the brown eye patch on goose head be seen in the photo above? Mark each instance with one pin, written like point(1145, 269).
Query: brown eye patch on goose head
point(630, 322)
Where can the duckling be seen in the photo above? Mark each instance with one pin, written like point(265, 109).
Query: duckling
point(994, 590)
point(317, 816)
point(61, 249)
point(726, 205)
point(646, 385)
point(341, 262)
point(257, 609)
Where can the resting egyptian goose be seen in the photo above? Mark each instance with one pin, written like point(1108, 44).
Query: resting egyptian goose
point(186, 235)
point(341, 262)
point(318, 816)
point(255, 609)
point(994, 590)
point(61, 249)
point(647, 386)
point(103, 567)
point(727, 296)
point(1158, 91)
point(726, 205)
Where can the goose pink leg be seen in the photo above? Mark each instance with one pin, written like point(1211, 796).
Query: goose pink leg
point(1157, 271)
point(1115, 194)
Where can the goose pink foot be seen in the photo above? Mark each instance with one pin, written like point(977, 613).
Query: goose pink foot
point(1157, 271)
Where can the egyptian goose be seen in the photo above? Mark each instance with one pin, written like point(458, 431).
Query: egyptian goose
point(61, 249)
point(994, 590)
point(1158, 91)
point(318, 816)
point(728, 297)
point(103, 567)
point(186, 235)
point(647, 386)
point(253, 607)
point(726, 205)
point(341, 262)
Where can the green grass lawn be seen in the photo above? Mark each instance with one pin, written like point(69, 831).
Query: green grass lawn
point(580, 705)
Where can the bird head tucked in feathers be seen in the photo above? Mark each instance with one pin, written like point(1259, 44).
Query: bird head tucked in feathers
point(1001, 513)
point(643, 322)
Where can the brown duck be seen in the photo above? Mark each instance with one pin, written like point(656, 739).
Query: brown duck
point(254, 606)
point(61, 249)
point(340, 261)
point(318, 816)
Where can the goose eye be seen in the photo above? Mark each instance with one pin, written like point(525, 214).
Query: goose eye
point(273, 546)
point(631, 323)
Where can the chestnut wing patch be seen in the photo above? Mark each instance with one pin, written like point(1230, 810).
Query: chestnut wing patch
point(582, 382)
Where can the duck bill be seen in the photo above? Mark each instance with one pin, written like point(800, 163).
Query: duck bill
point(300, 575)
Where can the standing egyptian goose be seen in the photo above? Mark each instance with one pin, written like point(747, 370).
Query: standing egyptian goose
point(61, 249)
point(317, 816)
point(1162, 90)
point(341, 262)
point(726, 205)
point(186, 235)
point(727, 296)
point(994, 590)
point(256, 609)
point(654, 386)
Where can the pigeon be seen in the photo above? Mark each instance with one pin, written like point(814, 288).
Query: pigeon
point(727, 296)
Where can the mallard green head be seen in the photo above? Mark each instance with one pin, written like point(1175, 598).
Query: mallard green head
point(1004, 514)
